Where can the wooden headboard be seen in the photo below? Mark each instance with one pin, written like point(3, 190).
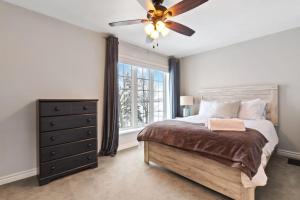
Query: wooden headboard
point(268, 93)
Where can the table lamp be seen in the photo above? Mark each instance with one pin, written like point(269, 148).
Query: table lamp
point(187, 102)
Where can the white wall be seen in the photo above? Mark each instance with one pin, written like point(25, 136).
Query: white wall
point(41, 57)
point(271, 59)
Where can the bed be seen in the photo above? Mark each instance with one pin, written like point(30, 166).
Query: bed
point(207, 172)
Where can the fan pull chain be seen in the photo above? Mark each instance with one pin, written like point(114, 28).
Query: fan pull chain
point(155, 45)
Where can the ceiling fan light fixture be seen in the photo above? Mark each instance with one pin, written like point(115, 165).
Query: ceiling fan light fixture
point(154, 35)
point(149, 28)
point(160, 26)
point(165, 32)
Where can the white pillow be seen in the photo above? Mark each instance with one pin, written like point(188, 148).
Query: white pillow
point(253, 109)
point(207, 108)
point(217, 109)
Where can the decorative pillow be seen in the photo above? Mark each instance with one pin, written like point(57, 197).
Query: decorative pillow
point(217, 109)
point(227, 109)
point(253, 109)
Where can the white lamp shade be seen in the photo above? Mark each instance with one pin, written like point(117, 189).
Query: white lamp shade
point(186, 100)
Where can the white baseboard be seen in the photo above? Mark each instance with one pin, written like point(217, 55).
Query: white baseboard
point(17, 176)
point(127, 146)
point(288, 154)
point(33, 172)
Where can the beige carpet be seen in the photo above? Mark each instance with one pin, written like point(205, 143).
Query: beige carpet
point(126, 177)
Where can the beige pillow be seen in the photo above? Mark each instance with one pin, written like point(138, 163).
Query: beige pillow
point(227, 109)
point(218, 109)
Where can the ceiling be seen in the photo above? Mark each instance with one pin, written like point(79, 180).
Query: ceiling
point(217, 23)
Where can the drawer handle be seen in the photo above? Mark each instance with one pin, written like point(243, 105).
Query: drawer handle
point(53, 153)
point(52, 168)
point(52, 123)
point(89, 145)
point(89, 158)
point(56, 108)
point(89, 133)
point(84, 108)
point(52, 138)
point(88, 120)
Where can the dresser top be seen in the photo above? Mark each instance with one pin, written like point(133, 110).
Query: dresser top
point(70, 100)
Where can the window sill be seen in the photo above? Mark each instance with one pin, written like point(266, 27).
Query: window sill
point(129, 131)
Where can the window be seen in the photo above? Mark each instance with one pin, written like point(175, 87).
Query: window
point(142, 94)
point(125, 88)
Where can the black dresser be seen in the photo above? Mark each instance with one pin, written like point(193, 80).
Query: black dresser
point(67, 137)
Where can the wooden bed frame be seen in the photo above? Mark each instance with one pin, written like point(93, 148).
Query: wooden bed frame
point(207, 172)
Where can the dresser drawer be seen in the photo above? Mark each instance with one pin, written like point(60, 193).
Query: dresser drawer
point(66, 136)
point(62, 165)
point(63, 150)
point(67, 122)
point(55, 108)
point(84, 107)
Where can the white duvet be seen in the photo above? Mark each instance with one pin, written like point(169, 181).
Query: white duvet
point(266, 128)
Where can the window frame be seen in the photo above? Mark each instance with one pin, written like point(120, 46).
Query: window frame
point(134, 95)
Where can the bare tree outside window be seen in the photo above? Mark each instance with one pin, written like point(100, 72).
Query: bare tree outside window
point(125, 86)
point(142, 96)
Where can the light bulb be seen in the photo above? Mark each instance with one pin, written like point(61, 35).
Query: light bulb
point(154, 35)
point(160, 26)
point(165, 32)
point(149, 28)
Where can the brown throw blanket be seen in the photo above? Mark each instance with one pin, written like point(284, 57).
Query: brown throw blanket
point(232, 148)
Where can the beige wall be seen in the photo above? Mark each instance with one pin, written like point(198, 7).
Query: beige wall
point(41, 57)
point(270, 59)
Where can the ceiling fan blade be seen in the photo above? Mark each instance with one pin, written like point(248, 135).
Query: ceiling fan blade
point(147, 4)
point(179, 28)
point(184, 6)
point(128, 22)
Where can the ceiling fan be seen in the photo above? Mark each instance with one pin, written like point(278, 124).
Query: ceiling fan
point(158, 22)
